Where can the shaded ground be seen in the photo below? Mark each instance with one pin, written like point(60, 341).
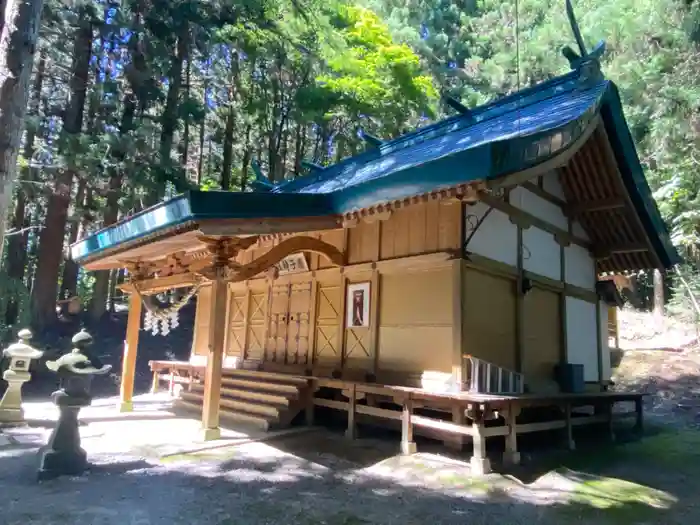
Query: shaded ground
point(149, 471)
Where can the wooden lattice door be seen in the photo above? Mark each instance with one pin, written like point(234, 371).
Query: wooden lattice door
point(257, 324)
point(237, 325)
point(328, 311)
point(288, 323)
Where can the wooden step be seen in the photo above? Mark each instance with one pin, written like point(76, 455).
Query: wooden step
point(280, 401)
point(266, 377)
point(288, 390)
point(259, 422)
point(269, 412)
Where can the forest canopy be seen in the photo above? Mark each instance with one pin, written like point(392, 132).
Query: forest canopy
point(134, 101)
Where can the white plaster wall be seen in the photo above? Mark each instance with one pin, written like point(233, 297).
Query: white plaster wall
point(580, 267)
point(582, 336)
point(605, 348)
point(541, 253)
point(551, 184)
point(539, 207)
point(496, 238)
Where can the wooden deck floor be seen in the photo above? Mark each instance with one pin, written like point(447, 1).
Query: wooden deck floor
point(470, 418)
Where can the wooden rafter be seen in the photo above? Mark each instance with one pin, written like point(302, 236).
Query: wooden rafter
point(610, 203)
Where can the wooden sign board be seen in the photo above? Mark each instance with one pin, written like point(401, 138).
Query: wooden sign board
point(293, 263)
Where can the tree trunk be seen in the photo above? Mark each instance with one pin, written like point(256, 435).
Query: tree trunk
point(69, 281)
point(50, 252)
point(246, 159)
point(100, 294)
point(20, 31)
point(658, 295)
point(169, 118)
point(200, 160)
point(228, 151)
point(17, 244)
point(186, 133)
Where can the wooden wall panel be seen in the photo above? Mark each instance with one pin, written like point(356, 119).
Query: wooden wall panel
point(541, 339)
point(450, 226)
point(363, 243)
point(237, 322)
point(334, 237)
point(326, 350)
point(415, 321)
point(257, 321)
point(200, 339)
point(489, 317)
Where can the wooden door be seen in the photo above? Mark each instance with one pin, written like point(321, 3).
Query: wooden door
point(277, 333)
point(237, 324)
point(298, 322)
point(256, 326)
point(326, 343)
point(288, 323)
point(541, 339)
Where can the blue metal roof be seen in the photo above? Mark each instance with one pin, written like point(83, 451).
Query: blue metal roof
point(506, 136)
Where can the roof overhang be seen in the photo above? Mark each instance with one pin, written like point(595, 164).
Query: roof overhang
point(553, 125)
point(176, 225)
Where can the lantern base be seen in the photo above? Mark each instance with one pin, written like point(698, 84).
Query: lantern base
point(62, 455)
point(11, 416)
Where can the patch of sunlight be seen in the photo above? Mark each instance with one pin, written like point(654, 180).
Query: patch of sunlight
point(195, 456)
point(607, 493)
point(613, 500)
point(464, 481)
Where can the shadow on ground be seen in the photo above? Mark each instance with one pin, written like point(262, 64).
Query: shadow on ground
point(318, 478)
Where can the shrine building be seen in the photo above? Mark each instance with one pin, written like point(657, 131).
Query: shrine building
point(445, 282)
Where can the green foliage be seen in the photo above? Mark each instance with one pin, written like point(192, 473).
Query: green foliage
point(13, 296)
point(374, 76)
point(175, 89)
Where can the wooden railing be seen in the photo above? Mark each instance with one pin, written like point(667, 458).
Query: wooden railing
point(482, 377)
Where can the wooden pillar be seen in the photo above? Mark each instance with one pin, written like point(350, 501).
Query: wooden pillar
point(639, 409)
point(610, 420)
point(519, 306)
point(131, 344)
point(350, 431)
point(309, 408)
point(212, 375)
point(458, 308)
point(570, 443)
point(512, 455)
point(156, 382)
point(408, 446)
point(479, 462)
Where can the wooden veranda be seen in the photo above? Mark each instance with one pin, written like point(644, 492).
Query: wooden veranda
point(480, 417)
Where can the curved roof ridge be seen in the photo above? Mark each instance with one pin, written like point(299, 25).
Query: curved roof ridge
point(493, 109)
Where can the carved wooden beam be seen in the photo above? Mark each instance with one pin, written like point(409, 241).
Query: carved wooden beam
point(277, 253)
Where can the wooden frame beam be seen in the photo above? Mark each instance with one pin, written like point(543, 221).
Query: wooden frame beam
point(612, 203)
point(606, 253)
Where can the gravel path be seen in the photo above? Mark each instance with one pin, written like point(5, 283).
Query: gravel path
point(146, 472)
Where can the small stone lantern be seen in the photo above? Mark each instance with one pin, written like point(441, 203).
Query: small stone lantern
point(20, 355)
point(63, 454)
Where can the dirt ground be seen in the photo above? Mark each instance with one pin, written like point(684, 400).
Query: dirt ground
point(149, 469)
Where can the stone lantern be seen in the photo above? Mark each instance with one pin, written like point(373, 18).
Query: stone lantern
point(20, 355)
point(63, 454)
